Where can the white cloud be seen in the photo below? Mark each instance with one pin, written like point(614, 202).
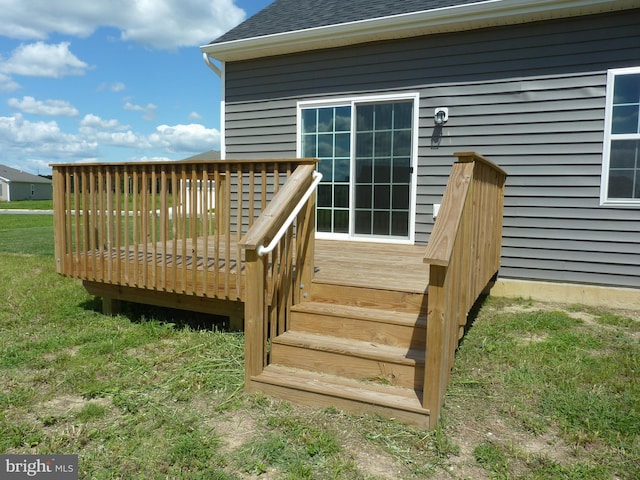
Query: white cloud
point(161, 24)
point(112, 87)
point(195, 116)
point(43, 60)
point(35, 145)
point(192, 138)
point(49, 108)
point(7, 84)
point(148, 111)
point(145, 158)
point(20, 137)
point(110, 132)
point(91, 122)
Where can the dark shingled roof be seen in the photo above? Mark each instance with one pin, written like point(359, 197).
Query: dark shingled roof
point(292, 15)
point(19, 176)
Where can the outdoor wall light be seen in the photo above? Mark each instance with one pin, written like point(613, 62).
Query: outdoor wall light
point(441, 115)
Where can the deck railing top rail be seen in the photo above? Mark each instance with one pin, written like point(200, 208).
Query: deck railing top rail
point(217, 162)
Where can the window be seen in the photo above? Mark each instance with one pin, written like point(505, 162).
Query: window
point(366, 151)
point(621, 160)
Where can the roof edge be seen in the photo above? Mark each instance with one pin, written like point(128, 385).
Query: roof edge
point(488, 13)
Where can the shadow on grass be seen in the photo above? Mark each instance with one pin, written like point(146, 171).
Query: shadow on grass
point(138, 312)
point(473, 315)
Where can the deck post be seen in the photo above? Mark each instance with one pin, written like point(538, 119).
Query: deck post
point(254, 325)
point(435, 361)
point(59, 219)
point(111, 306)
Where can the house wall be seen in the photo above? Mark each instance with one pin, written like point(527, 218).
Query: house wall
point(4, 191)
point(529, 97)
point(22, 191)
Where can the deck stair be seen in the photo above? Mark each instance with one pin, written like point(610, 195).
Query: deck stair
point(361, 351)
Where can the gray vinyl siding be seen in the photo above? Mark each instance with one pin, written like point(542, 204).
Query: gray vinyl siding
point(530, 98)
point(22, 191)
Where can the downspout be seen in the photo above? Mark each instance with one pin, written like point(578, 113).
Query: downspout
point(220, 72)
point(211, 65)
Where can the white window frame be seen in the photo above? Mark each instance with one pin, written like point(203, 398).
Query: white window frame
point(608, 137)
point(352, 101)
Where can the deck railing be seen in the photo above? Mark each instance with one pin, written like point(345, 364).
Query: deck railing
point(167, 226)
point(464, 254)
point(276, 283)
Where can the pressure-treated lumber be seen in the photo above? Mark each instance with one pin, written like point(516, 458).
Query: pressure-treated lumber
point(319, 390)
point(359, 325)
point(383, 327)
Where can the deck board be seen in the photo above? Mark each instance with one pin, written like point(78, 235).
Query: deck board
point(374, 265)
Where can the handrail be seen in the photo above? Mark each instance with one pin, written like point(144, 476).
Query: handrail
point(279, 275)
point(268, 224)
point(262, 250)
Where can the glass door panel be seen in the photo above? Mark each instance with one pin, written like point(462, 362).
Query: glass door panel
point(382, 168)
point(366, 187)
point(326, 135)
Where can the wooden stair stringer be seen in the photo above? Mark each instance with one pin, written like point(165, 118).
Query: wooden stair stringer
point(322, 390)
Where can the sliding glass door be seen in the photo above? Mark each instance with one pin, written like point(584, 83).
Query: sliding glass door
point(366, 158)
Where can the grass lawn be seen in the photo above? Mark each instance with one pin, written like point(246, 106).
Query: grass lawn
point(538, 392)
point(27, 205)
point(28, 234)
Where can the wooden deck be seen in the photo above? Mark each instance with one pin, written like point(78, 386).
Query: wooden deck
point(363, 326)
point(376, 266)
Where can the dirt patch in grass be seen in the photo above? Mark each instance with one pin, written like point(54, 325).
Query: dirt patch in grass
point(65, 404)
point(375, 463)
point(235, 428)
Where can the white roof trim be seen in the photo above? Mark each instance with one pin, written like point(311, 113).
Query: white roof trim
point(487, 13)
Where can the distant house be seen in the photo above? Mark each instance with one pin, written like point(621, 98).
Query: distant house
point(18, 185)
point(208, 155)
point(385, 92)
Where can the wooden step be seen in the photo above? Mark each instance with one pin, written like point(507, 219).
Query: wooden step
point(349, 358)
point(384, 327)
point(414, 301)
point(323, 390)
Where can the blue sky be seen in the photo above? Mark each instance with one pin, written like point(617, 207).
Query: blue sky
point(121, 80)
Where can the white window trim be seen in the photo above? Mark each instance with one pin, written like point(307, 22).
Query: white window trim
point(606, 146)
point(344, 101)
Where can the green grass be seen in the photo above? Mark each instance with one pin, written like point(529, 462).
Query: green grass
point(27, 205)
point(552, 373)
point(537, 392)
point(26, 234)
